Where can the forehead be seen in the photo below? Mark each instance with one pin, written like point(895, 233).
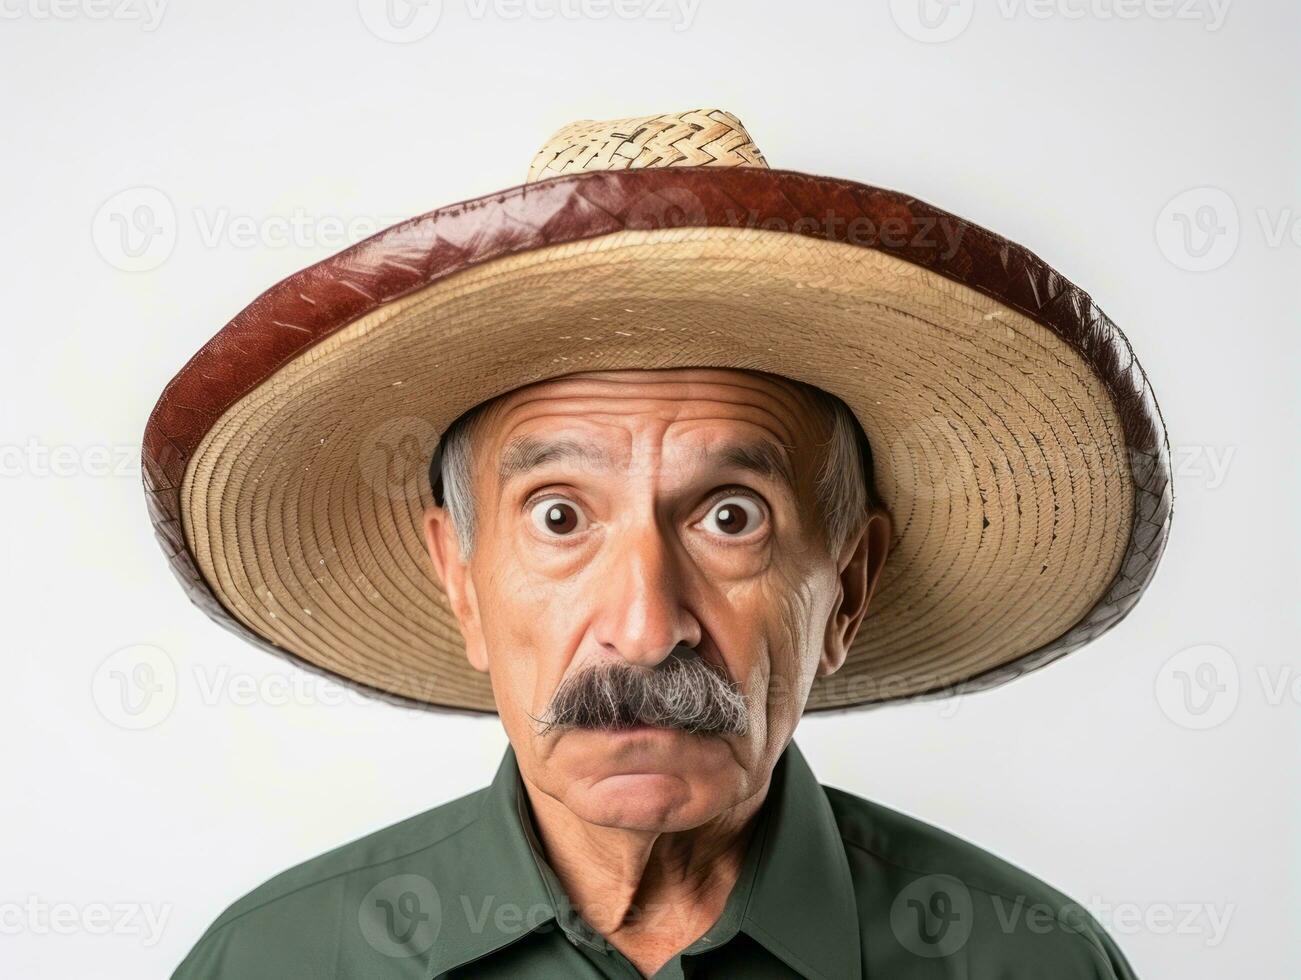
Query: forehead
point(685, 411)
point(668, 396)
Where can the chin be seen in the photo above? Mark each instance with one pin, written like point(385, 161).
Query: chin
point(649, 779)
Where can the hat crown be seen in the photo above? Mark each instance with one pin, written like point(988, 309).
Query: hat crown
point(695, 138)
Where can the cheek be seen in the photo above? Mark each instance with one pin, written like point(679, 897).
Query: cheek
point(530, 629)
point(793, 603)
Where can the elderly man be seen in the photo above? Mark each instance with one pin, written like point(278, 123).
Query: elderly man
point(712, 446)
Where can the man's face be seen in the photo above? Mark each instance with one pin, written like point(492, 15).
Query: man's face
point(623, 514)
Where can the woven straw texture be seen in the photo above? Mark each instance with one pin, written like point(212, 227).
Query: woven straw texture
point(1026, 472)
point(306, 499)
point(698, 138)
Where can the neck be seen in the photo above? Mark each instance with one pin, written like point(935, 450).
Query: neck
point(649, 893)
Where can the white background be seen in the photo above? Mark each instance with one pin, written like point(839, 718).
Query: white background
point(1074, 127)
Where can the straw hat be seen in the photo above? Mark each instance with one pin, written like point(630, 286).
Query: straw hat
point(1016, 441)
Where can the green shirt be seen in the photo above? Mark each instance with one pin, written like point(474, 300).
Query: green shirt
point(832, 887)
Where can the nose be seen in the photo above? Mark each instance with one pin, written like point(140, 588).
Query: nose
point(642, 616)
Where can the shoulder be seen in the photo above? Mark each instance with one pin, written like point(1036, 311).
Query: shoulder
point(933, 895)
point(292, 925)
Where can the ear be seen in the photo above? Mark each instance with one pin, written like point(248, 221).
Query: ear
point(454, 579)
point(860, 563)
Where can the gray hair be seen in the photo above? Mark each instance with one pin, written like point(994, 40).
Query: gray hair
point(843, 484)
point(683, 691)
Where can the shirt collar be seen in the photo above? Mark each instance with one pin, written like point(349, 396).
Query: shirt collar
point(794, 895)
point(494, 894)
point(802, 907)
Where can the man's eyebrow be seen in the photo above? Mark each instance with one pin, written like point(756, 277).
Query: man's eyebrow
point(766, 458)
point(763, 457)
point(525, 453)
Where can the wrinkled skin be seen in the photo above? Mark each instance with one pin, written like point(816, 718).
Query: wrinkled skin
point(576, 561)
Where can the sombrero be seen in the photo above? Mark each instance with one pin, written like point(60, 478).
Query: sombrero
point(1015, 440)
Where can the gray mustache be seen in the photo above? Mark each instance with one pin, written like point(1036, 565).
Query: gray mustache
point(684, 691)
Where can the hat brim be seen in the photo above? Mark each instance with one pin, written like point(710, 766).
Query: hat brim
point(1016, 440)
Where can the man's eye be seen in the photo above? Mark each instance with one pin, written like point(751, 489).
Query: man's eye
point(734, 516)
point(557, 517)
